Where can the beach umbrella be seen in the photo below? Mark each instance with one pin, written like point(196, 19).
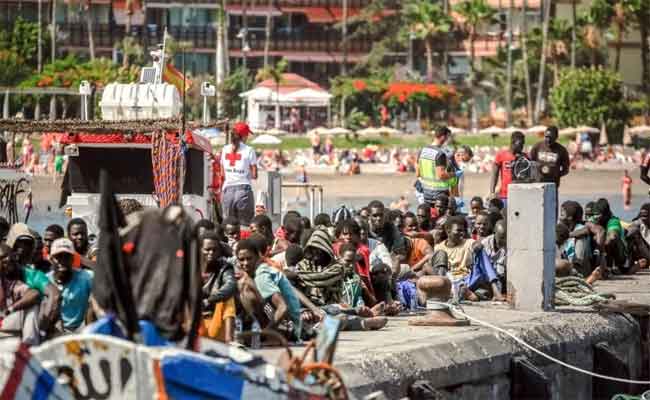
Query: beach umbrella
point(320, 130)
point(603, 136)
point(337, 131)
point(511, 129)
point(567, 131)
point(492, 130)
point(368, 131)
point(627, 137)
point(276, 132)
point(457, 131)
point(640, 130)
point(536, 129)
point(266, 139)
point(387, 130)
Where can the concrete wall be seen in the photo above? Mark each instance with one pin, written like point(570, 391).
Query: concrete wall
point(477, 365)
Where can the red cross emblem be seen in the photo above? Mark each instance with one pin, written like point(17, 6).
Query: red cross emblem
point(233, 158)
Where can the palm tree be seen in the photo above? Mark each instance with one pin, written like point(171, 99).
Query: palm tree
point(276, 74)
point(130, 50)
point(509, 66)
point(574, 28)
point(540, 83)
point(427, 21)
point(524, 49)
point(596, 21)
point(267, 33)
point(89, 26)
point(623, 11)
point(476, 13)
point(641, 13)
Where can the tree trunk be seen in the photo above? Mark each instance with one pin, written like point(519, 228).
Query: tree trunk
point(344, 59)
point(542, 65)
point(643, 15)
point(267, 34)
point(524, 50)
point(39, 57)
point(619, 46)
point(472, 58)
point(127, 25)
point(574, 39)
point(509, 67)
point(89, 26)
point(53, 33)
point(429, 50)
point(445, 43)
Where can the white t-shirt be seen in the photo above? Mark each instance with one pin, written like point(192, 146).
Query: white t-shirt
point(237, 166)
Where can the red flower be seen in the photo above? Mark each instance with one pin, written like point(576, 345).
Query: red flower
point(359, 85)
point(402, 98)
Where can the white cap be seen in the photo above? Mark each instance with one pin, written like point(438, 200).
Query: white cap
point(62, 245)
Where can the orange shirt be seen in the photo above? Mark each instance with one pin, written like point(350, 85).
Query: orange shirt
point(419, 248)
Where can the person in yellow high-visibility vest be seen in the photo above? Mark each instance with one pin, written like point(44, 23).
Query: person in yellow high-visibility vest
point(436, 170)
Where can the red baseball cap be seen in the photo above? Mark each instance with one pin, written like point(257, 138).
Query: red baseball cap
point(241, 129)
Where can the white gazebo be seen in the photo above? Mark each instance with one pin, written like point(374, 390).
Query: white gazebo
point(294, 91)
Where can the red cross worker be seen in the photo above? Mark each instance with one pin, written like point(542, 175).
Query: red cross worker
point(239, 168)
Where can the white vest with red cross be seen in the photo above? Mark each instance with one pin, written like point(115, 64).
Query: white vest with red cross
point(236, 165)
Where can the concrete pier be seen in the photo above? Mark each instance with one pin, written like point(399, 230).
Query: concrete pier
point(476, 362)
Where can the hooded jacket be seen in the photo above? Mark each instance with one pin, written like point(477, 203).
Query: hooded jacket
point(321, 283)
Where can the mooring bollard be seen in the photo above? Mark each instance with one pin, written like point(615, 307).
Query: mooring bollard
point(531, 245)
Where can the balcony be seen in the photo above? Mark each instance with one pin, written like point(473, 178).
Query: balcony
point(312, 41)
point(204, 39)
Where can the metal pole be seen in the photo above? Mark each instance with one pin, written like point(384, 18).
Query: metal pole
point(205, 110)
point(312, 204)
point(320, 199)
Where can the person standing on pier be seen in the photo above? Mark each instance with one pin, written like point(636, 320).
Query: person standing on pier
point(239, 165)
point(436, 169)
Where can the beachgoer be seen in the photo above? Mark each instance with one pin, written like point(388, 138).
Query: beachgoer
point(626, 188)
point(239, 166)
point(503, 164)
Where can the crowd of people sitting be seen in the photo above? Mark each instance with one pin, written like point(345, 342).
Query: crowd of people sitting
point(359, 266)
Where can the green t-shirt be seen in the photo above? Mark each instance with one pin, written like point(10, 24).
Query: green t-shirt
point(35, 279)
point(614, 224)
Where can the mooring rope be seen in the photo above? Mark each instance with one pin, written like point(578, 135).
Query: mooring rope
point(575, 291)
point(458, 311)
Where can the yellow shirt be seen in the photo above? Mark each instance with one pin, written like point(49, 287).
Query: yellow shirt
point(460, 258)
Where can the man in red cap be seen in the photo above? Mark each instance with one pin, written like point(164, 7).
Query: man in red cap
point(239, 166)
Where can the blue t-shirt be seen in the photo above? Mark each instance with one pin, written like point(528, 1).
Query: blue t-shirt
point(270, 281)
point(74, 297)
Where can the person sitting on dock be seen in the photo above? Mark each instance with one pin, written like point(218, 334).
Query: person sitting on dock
point(495, 247)
point(75, 285)
point(271, 299)
point(468, 265)
point(638, 237)
point(18, 302)
point(218, 290)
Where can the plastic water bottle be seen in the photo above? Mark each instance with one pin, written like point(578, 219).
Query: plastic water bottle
point(239, 328)
point(256, 339)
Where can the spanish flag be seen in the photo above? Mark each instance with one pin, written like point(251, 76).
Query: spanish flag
point(175, 77)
